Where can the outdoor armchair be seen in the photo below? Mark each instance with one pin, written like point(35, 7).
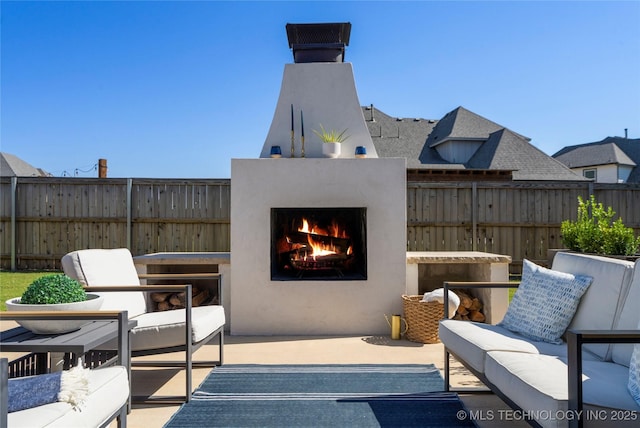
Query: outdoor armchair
point(112, 273)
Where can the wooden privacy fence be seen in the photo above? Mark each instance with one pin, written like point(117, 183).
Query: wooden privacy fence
point(519, 219)
point(41, 219)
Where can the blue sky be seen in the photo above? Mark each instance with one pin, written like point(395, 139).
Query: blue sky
point(177, 89)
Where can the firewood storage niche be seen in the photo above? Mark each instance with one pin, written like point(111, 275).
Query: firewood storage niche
point(320, 244)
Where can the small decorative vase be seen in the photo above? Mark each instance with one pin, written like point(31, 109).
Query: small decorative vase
point(331, 150)
point(361, 152)
point(276, 152)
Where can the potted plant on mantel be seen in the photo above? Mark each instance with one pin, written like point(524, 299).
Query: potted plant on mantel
point(595, 232)
point(331, 141)
point(54, 293)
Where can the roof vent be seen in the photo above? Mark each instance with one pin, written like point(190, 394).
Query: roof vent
point(318, 42)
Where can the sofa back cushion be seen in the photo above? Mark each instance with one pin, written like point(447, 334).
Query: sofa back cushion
point(629, 319)
point(601, 304)
point(96, 267)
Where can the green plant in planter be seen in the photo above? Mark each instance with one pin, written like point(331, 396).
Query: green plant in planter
point(595, 231)
point(52, 289)
point(331, 136)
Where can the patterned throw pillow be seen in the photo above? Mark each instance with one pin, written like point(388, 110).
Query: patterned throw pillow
point(634, 373)
point(545, 302)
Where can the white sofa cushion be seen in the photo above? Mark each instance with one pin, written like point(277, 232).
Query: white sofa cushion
point(544, 303)
point(108, 392)
point(605, 296)
point(472, 341)
point(539, 383)
point(96, 267)
point(629, 319)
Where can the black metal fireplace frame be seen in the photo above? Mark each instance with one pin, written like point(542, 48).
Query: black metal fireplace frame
point(357, 224)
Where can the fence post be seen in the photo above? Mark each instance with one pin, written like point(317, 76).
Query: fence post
point(14, 187)
point(129, 226)
point(474, 216)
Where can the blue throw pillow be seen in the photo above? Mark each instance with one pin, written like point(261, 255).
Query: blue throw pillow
point(634, 373)
point(545, 303)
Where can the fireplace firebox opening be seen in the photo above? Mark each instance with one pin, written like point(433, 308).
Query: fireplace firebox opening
point(318, 244)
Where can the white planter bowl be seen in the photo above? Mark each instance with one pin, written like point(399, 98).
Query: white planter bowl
point(93, 303)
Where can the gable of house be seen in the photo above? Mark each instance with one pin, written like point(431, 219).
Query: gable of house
point(613, 159)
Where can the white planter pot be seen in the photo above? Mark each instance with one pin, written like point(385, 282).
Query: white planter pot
point(93, 303)
point(331, 150)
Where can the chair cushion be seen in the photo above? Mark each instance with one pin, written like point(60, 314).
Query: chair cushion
point(544, 303)
point(158, 330)
point(96, 267)
point(108, 392)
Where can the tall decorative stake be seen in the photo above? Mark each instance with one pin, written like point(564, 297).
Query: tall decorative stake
point(292, 140)
point(302, 127)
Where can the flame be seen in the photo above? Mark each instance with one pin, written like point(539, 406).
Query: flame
point(318, 247)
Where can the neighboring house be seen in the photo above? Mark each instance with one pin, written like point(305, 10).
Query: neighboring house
point(462, 143)
point(13, 166)
point(612, 160)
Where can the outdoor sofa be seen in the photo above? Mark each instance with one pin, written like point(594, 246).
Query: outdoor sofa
point(580, 381)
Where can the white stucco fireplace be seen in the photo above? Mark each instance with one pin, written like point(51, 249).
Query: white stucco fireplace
point(261, 305)
point(282, 208)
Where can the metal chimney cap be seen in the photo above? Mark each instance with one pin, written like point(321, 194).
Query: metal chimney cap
point(318, 42)
point(303, 34)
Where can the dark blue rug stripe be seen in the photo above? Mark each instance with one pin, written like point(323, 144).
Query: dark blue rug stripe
point(321, 396)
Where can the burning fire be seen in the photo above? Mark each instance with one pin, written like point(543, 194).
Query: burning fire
point(319, 247)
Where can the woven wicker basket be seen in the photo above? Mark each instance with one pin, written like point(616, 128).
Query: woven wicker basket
point(422, 319)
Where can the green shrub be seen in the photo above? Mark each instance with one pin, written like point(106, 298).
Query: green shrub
point(595, 231)
point(53, 289)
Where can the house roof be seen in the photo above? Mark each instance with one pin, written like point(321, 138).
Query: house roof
point(13, 166)
point(400, 137)
point(507, 150)
point(462, 124)
point(611, 150)
point(500, 149)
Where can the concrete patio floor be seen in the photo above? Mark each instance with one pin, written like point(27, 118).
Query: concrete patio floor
point(312, 350)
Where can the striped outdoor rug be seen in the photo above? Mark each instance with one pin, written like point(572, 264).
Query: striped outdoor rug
point(322, 396)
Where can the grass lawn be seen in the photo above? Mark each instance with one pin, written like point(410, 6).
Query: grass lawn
point(13, 284)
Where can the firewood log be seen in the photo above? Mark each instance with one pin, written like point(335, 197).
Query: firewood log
point(476, 316)
point(160, 297)
point(475, 305)
point(164, 306)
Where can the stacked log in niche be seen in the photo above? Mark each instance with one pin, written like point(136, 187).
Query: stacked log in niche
point(165, 301)
point(470, 308)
